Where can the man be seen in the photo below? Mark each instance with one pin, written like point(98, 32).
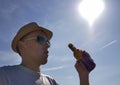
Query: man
point(32, 42)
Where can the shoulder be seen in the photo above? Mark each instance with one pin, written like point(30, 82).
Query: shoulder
point(3, 69)
point(8, 69)
point(4, 80)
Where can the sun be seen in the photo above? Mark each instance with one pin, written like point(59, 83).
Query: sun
point(91, 9)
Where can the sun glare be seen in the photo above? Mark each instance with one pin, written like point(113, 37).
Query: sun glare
point(91, 9)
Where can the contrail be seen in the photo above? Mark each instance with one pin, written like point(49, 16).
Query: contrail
point(112, 42)
point(53, 68)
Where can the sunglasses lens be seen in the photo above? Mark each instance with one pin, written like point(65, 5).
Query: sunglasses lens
point(43, 40)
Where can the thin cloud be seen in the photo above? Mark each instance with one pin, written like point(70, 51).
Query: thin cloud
point(9, 10)
point(109, 44)
point(54, 68)
point(9, 58)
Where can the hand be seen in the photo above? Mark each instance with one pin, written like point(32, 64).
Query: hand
point(88, 61)
point(81, 69)
point(84, 66)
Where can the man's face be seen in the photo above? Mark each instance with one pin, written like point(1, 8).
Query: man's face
point(33, 50)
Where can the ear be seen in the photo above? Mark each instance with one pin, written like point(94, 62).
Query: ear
point(21, 45)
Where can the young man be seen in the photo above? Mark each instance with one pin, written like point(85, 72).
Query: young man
point(32, 42)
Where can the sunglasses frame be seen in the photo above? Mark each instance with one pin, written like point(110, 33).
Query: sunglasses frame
point(40, 39)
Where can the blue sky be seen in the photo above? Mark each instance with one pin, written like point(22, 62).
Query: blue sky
point(62, 17)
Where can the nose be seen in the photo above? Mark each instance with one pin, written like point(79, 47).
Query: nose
point(47, 44)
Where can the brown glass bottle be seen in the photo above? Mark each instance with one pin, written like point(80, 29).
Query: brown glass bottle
point(83, 56)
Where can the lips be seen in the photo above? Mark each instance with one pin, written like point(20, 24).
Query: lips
point(46, 52)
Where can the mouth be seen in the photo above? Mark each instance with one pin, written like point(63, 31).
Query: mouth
point(46, 52)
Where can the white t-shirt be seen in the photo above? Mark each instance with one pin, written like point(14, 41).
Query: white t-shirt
point(20, 75)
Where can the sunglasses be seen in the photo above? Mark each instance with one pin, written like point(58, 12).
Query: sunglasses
point(40, 39)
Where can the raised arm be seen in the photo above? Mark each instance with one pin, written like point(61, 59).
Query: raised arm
point(83, 73)
point(84, 64)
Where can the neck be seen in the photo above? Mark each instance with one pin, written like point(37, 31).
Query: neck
point(31, 66)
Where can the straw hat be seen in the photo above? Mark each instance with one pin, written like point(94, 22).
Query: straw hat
point(30, 27)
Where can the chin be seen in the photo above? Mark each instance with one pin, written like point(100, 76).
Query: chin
point(43, 63)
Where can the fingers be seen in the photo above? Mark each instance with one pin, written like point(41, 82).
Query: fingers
point(80, 67)
point(84, 62)
point(88, 61)
point(86, 55)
